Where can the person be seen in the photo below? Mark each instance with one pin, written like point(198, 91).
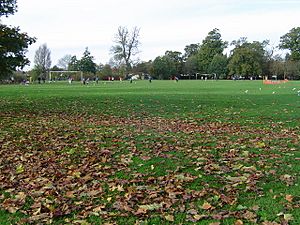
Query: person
point(150, 79)
point(176, 78)
point(130, 79)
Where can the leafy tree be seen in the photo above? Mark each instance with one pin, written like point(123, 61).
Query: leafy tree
point(107, 70)
point(13, 43)
point(191, 50)
point(247, 59)
point(64, 62)
point(143, 67)
point(277, 67)
point(42, 60)
point(163, 67)
point(127, 44)
point(86, 63)
point(218, 65)
point(73, 64)
point(292, 70)
point(211, 46)
point(191, 65)
point(177, 58)
point(56, 68)
point(291, 41)
point(8, 7)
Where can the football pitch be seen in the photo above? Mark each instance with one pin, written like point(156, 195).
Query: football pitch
point(165, 152)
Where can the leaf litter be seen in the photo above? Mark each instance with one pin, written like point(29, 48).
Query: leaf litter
point(72, 164)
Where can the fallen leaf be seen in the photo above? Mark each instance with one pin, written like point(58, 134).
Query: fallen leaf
point(151, 206)
point(288, 217)
point(289, 198)
point(199, 217)
point(169, 218)
point(215, 223)
point(19, 169)
point(206, 206)
point(238, 222)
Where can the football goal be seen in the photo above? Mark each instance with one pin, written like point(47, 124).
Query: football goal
point(64, 75)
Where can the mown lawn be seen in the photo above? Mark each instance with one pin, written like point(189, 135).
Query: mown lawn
point(192, 152)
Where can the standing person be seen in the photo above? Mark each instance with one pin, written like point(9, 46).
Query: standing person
point(150, 79)
point(176, 78)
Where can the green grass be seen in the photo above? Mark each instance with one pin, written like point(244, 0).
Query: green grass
point(150, 153)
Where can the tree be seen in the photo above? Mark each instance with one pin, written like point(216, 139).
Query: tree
point(106, 71)
point(177, 58)
point(211, 46)
point(73, 64)
point(86, 63)
point(42, 60)
point(127, 44)
point(292, 70)
point(163, 67)
point(8, 7)
point(277, 67)
point(64, 62)
point(291, 41)
point(247, 59)
point(13, 43)
point(143, 67)
point(191, 50)
point(218, 66)
point(191, 65)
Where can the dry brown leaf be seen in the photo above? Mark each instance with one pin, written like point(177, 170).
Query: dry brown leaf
point(206, 206)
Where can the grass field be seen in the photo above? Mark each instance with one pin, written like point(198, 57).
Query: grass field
point(192, 152)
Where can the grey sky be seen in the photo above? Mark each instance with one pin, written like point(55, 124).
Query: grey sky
point(68, 26)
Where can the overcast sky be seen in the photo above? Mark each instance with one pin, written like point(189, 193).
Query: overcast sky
point(69, 26)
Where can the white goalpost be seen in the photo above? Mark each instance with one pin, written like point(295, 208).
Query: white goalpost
point(52, 73)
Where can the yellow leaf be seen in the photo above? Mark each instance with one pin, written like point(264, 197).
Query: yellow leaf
point(206, 206)
point(21, 196)
point(260, 144)
point(20, 169)
point(238, 222)
point(199, 217)
point(170, 218)
point(76, 174)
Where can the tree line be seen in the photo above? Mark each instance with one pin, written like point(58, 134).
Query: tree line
point(245, 59)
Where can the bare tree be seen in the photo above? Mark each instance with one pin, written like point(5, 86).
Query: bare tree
point(64, 62)
point(42, 60)
point(126, 47)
